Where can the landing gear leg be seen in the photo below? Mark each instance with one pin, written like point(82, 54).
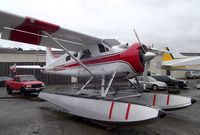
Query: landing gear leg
point(105, 92)
point(85, 85)
point(137, 85)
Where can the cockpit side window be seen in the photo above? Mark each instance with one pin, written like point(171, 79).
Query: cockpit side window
point(85, 54)
point(102, 48)
point(76, 55)
point(68, 58)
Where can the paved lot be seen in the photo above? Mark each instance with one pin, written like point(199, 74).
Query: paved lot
point(30, 116)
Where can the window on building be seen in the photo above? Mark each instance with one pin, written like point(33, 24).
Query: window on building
point(86, 54)
point(102, 48)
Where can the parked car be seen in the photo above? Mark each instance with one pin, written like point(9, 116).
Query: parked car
point(170, 81)
point(3, 79)
point(24, 84)
point(151, 83)
point(192, 74)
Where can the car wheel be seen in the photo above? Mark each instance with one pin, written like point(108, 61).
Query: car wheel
point(22, 91)
point(154, 87)
point(9, 90)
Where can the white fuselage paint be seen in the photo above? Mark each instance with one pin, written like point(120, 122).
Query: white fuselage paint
point(97, 69)
point(59, 65)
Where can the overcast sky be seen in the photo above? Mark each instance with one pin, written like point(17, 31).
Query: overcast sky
point(160, 22)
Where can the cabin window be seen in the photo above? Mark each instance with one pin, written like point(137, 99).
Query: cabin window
point(68, 58)
point(102, 48)
point(86, 54)
point(76, 55)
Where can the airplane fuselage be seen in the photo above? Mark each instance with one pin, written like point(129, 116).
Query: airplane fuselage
point(124, 61)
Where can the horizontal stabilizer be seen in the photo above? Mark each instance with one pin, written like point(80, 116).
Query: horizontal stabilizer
point(26, 67)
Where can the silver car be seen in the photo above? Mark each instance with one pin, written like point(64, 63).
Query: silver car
point(192, 74)
point(152, 83)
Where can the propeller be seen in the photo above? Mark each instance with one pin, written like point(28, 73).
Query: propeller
point(148, 56)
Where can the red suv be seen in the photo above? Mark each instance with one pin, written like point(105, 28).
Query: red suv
point(24, 84)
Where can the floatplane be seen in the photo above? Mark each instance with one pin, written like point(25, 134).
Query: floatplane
point(91, 57)
point(173, 60)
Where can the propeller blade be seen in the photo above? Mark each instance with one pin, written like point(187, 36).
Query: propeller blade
point(139, 41)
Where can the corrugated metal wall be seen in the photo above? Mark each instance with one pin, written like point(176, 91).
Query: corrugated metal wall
point(47, 78)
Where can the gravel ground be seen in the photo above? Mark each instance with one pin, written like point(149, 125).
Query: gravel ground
point(29, 116)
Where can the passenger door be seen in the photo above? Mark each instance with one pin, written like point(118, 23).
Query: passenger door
point(16, 83)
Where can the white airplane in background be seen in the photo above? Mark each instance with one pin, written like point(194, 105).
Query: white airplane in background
point(176, 61)
point(89, 56)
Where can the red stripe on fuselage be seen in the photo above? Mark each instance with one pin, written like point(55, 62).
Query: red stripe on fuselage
point(131, 56)
point(31, 26)
point(127, 111)
point(111, 109)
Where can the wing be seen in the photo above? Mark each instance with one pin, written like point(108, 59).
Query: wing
point(184, 64)
point(29, 30)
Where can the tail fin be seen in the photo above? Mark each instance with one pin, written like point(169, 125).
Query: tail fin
point(49, 56)
point(172, 55)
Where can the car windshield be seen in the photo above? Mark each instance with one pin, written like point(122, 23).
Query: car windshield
point(27, 78)
point(151, 79)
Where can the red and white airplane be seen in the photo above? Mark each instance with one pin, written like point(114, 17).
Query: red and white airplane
point(89, 56)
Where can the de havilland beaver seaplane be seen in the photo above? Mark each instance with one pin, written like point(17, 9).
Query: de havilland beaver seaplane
point(92, 57)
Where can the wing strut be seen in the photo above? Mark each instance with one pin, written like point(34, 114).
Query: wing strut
point(85, 85)
point(105, 92)
point(83, 65)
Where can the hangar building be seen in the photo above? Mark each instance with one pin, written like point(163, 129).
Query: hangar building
point(9, 57)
